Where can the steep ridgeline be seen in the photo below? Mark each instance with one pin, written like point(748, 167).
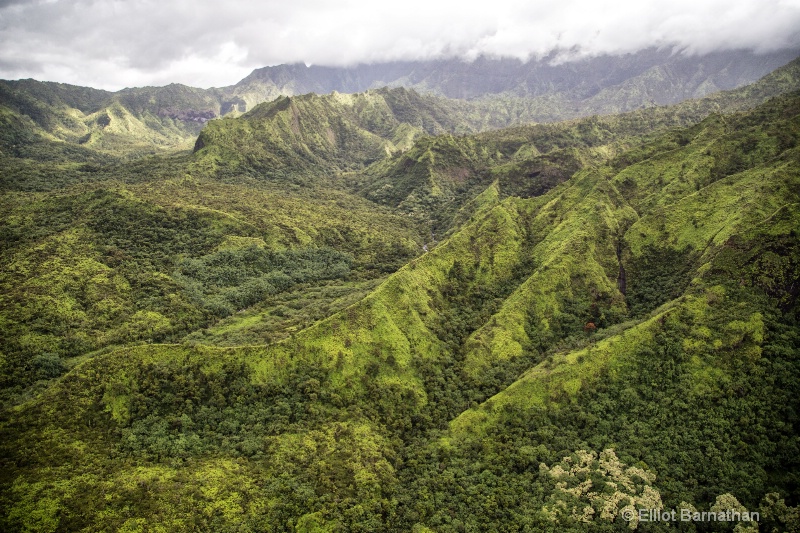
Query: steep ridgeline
point(54, 135)
point(436, 177)
point(692, 400)
point(106, 265)
point(301, 136)
point(166, 243)
point(505, 380)
point(383, 145)
point(131, 122)
point(546, 89)
point(321, 136)
point(501, 93)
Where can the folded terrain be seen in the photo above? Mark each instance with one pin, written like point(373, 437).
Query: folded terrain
point(350, 313)
point(491, 93)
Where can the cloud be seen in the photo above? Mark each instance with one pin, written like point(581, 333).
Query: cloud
point(114, 43)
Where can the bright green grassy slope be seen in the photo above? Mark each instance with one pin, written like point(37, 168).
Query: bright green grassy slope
point(110, 264)
point(436, 176)
point(310, 136)
point(56, 135)
point(141, 261)
point(467, 392)
point(128, 123)
point(154, 250)
point(147, 120)
point(697, 394)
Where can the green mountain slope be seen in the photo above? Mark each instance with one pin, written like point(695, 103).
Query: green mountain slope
point(114, 264)
point(331, 140)
point(709, 370)
point(611, 324)
point(430, 184)
point(320, 135)
point(502, 93)
point(129, 122)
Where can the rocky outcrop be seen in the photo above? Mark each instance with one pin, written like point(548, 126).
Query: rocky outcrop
point(187, 115)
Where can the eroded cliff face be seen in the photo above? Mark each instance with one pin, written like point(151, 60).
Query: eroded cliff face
point(188, 115)
point(616, 82)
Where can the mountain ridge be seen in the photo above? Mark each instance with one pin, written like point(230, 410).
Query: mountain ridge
point(540, 328)
point(455, 78)
point(153, 119)
point(470, 373)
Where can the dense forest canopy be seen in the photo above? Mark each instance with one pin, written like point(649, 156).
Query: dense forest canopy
point(383, 311)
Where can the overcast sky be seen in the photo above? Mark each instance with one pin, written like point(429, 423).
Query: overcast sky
point(113, 44)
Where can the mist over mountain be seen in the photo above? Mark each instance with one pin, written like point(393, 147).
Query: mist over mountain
point(495, 93)
point(117, 45)
point(664, 76)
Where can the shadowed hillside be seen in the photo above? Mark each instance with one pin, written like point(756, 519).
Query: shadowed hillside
point(253, 338)
point(490, 93)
